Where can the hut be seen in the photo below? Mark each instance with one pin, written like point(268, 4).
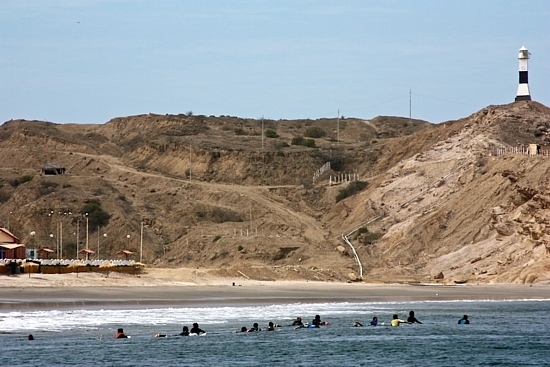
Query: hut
point(125, 253)
point(86, 253)
point(10, 248)
point(44, 252)
point(52, 168)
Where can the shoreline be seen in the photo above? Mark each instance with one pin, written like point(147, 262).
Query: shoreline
point(256, 293)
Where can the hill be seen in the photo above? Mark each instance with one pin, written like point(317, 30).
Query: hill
point(212, 193)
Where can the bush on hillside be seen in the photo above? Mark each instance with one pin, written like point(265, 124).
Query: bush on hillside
point(271, 134)
point(96, 215)
point(314, 132)
point(352, 189)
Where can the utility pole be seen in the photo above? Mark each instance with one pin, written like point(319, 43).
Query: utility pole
point(141, 243)
point(262, 132)
point(338, 127)
point(190, 166)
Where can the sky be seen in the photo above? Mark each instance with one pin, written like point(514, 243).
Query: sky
point(89, 61)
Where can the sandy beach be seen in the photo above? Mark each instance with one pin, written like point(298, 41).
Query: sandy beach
point(190, 287)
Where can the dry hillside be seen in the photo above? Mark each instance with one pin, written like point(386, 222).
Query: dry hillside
point(212, 193)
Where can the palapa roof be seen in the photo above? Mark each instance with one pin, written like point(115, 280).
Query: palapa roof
point(52, 165)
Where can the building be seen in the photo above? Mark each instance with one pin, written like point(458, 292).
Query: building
point(52, 168)
point(10, 248)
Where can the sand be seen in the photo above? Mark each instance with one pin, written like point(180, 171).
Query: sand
point(191, 287)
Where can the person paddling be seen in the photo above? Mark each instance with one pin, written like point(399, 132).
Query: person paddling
point(412, 319)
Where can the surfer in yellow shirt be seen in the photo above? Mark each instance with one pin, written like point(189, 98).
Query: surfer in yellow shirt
point(396, 321)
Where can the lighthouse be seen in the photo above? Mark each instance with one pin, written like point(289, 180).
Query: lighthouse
point(523, 87)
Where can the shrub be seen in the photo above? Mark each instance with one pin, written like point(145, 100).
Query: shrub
point(96, 215)
point(298, 140)
point(4, 196)
point(271, 134)
point(67, 185)
point(47, 187)
point(25, 178)
point(216, 238)
point(239, 131)
point(352, 189)
point(303, 142)
point(314, 132)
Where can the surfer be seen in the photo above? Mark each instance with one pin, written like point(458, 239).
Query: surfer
point(412, 319)
point(374, 321)
point(298, 323)
point(316, 322)
point(270, 326)
point(396, 321)
point(120, 334)
point(464, 320)
point(196, 330)
point(255, 327)
point(184, 331)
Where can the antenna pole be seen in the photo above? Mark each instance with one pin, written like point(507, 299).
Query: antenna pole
point(410, 105)
point(190, 165)
point(262, 132)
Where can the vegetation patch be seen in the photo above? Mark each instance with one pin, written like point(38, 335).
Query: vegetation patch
point(271, 134)
point(352, 189)
point(96, 215)
point(314, 132)
point(299, 140)
point(219, 215)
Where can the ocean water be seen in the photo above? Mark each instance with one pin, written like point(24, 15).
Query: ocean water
point(501, 333)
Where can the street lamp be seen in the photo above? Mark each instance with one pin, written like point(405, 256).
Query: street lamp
point(87, 235)
point(8, 226)
point(104, 236)
point(51, 236)
point(32, 244)
point(128, 237)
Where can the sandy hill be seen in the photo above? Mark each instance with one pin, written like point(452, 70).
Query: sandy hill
point(432, 203)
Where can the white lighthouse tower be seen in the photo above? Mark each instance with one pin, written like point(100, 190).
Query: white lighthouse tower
point(523, 87)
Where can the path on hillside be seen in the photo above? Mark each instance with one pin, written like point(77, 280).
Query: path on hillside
point(310, 227)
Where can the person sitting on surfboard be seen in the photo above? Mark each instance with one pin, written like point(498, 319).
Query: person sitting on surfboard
point(270, 326)
point(255, 327)
point(412, 319)
point(196, 330)
point(184, 331)
point(298, 323)
point(120, 334)
point(464, 320)
point(317, 322)
point(396, 321)
point(374, 321)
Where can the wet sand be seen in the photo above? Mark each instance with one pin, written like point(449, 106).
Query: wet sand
point(255, 293)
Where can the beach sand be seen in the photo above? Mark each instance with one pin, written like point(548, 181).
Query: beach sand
point(191, 287)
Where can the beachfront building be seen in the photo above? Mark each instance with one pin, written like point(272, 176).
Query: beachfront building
point(10, 248)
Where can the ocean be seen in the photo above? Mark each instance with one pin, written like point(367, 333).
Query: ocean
point(501, 333)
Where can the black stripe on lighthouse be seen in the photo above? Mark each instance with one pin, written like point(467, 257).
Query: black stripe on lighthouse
point(523, 78)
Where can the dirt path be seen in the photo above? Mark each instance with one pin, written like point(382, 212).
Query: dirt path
point(309, 226)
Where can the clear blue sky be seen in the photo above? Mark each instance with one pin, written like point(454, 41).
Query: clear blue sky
point(92, 60)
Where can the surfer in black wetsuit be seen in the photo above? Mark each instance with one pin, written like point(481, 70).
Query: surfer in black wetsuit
point(254, 327)
point(412, 319)
point(270, 327)
point(464, 320)
point(196, 330)
point(298, 323)
point(184, 331)
point(316, 322)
